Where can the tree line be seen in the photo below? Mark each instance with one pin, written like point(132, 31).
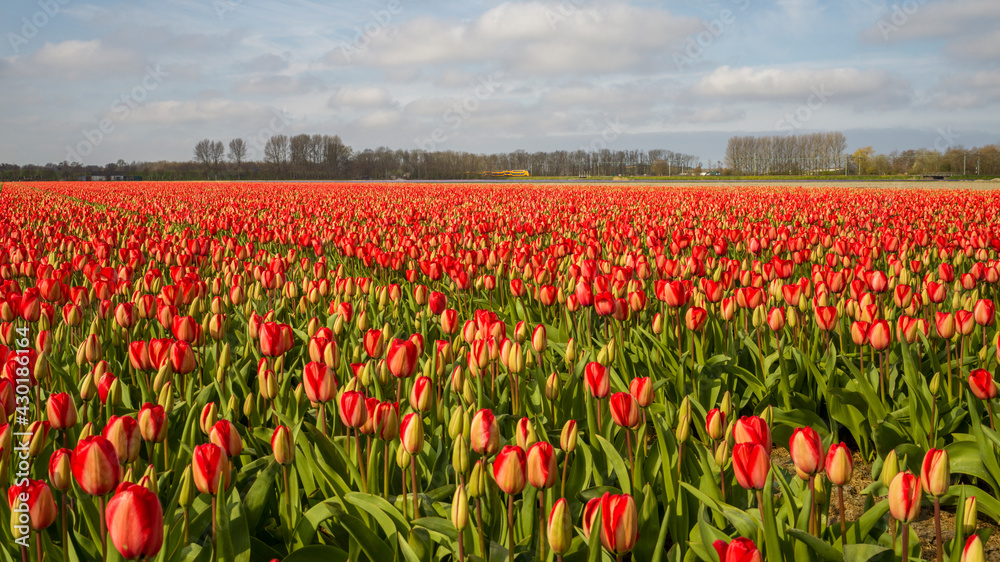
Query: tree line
point(319, 157)
point(826, 153)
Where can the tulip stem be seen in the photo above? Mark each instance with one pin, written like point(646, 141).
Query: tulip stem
point(510, 527)
point(989, 409)
point(562, 489)
point(215, 531)
point(541, 524)
point(24, 554)
point(288, 500)
point(947, 359)
point(187, 525)
point(322, 418)
point(385, 470)
point(906, 541)
point(479, 526)
point(413, 478)
point(813, 527)
point(937, 526)
point(843, 524)
point(38, 543)
point(65, 532)
point(361, 465)
point(104, 529)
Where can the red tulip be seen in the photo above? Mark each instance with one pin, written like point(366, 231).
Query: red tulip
point(509, 469)
point(411, 434)
point(152, 422)
point(624, 409)
point(123, 433)
point(982, 385)
point(61, 469)
point(182, 358)
point(944, 323)
point(752, 429)
point(353, 411)
point(904, 497)
point(619, 523)
point(806, 451)
point(138, 355)
point(642, 389)
point(41, 507)
point(437, 302)
point(319, 381)
point(597, 379)
point(826, 317)
point(373, 343)
point(541, 465)
point(984, 312)
point(751, 465)
point(935, 474)
point(283, 445)
point(839, 464)
point(695, 318)
point(859, 332)
point(402, 358)
point(135, 522)
point(386, 422)
point(738, 550)
point(880, 335)
point(210, 467)
point(484, 435)
point(95, 465)
point(715, 424)
point(225, 435)
point(61, 411)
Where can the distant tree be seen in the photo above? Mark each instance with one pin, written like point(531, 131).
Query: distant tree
point(215, 153)
point(237, 153)
point(276, 152)
point(203, 154)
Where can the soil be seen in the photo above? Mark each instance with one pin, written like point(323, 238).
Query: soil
point(854, 505)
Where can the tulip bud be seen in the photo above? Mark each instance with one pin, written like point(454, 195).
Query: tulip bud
point(890, 467)
point(209, 415)
point(560, 527)
point(402, 458)
point(722, 454)
point(509, 469)
point(715, 424)
point(806, 451)
point(552, 387)
point(973, 551)
point(411, 433)
point(970, 515)
point(904, 497)
point(726, 406)
point(839, 465)
point(460, 455)
point(60, 469)
point(567, 439)
point(187, 493)
point(460, 509)
point(283, 445)
point(477, 480)
point(934, 473)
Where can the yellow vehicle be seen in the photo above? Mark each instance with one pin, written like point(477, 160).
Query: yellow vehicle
point(504, 174)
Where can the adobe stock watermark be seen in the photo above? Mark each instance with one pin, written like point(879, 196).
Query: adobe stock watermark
point(223, 7)
point(696, 43)
point(562, 11)
point(33, 24)
point(946, 139)
point(376, 27)
point(803, 113)
point(280, 120)
point(121, 108)
point(612, 130)
point(455, 116)
point(899, 17)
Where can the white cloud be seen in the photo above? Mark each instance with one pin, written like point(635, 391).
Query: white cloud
point(748, 83)
point(360, 97)
point(74, 60)
point(278, 84)
point(532, 37)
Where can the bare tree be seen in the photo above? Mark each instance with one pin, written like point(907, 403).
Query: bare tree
point(276, 152)
point(216, 151)
point(203, 154)
point(237, 152)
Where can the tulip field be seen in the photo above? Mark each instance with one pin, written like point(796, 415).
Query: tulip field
point(482, 372)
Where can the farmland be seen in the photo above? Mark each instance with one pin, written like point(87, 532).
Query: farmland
point(422, 371)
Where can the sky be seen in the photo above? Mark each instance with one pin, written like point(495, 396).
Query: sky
point(145, 80)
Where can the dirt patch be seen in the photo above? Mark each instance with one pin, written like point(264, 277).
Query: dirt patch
point(854, 508)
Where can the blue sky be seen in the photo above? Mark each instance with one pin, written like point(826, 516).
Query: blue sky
point(146, 79)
